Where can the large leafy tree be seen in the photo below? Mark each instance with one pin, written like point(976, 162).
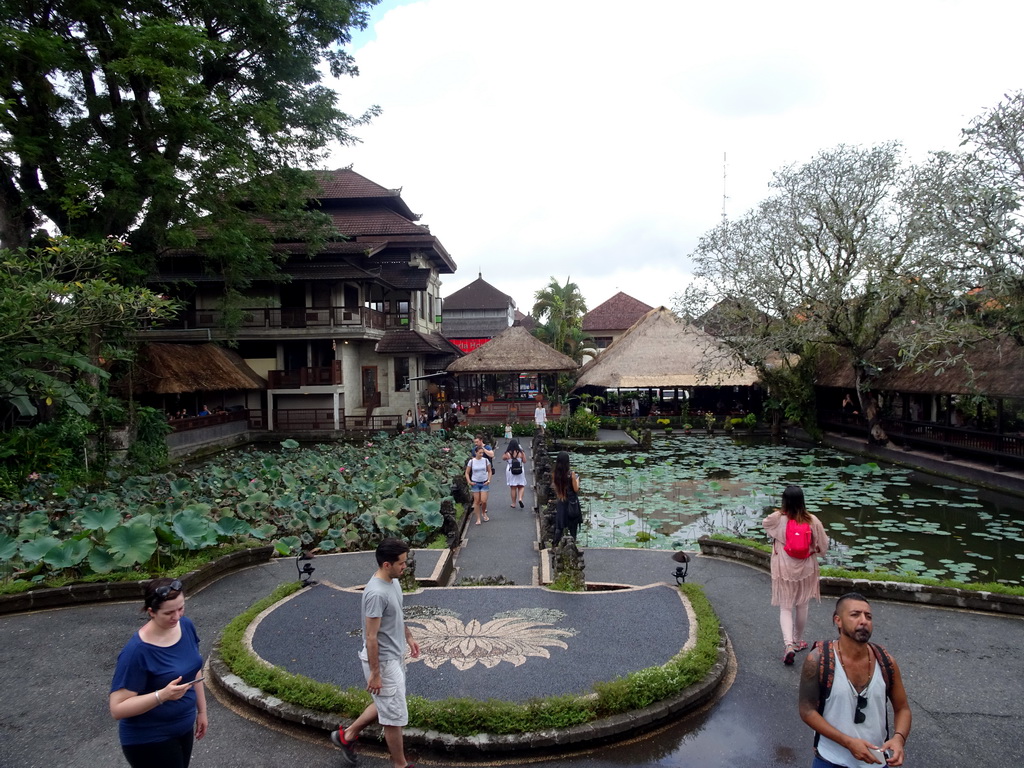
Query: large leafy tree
point(833, 258)
point(973, 203)
point(559, 311)
point(58, 318)
point(141, 118)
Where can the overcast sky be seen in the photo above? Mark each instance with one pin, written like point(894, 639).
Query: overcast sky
point(585, 138)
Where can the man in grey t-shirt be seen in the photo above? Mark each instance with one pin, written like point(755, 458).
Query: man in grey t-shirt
point(385, 639)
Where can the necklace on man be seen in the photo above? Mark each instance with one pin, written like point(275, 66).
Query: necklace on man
point(846, 672)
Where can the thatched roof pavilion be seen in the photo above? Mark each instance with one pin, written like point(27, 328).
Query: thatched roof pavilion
point(661, 352)
point(171, 369)
point(514, 350)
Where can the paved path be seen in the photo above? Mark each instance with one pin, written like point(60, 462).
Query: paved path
point(962, 670)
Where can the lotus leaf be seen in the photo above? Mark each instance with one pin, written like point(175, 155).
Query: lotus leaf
point(387, 523)
point(287, 545)
point(101, 561)
point(180, 486)
point(232, 526)
point(100, 519)
point(36, 522)
point(8, 547)
point(68, 554)
point(131, 544)
point(328, 545)
point(35, 550)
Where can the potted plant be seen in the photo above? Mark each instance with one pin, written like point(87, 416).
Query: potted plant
point(751, 421)
point(709, 422)
point(687, 428)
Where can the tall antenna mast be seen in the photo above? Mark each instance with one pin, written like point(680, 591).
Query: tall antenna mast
point(724, 196)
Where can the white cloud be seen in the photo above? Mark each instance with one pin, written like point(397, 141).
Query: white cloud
point(586, 138)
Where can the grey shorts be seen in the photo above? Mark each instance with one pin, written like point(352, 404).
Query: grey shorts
point(391, 706)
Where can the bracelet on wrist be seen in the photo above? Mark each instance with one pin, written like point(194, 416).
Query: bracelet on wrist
point(903, 735)
point(157, 694)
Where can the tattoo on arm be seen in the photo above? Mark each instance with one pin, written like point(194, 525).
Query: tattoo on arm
point(808, 693)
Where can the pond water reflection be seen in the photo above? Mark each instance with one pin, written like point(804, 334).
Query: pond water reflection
point(880, 517)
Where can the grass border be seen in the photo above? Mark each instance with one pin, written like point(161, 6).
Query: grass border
point(469, 717)
point(903, 578)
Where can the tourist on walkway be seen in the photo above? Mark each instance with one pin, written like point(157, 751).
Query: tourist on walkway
point(566, 485)
point(410, 420)
point(540, 416)
point(478, 476)
point(515, 471)
point(843, 699)
point(154, 694)
point(385, 642)
point(798, 537)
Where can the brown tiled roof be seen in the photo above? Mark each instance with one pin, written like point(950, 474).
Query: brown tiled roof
point(616, 314)
point(478, 295)
point(416, 343)
point(526, 321)
point(344, 184)
point(357, 222)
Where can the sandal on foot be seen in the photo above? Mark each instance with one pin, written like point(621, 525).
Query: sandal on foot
point(477, 522)
point(790, 655)
point(800, 646)
point(487, 519)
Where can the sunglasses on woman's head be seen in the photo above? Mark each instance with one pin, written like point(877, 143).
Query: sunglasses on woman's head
point(164, 591)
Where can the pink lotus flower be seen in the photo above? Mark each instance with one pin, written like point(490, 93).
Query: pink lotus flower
point(341, 469)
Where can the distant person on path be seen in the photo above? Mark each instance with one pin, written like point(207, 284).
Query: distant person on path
point(478, 476)
point(153, 696)
point(843, 688)
point(385, 642)
point(566, 485)
point(540, 416)
point(798, 537)
point(515, 471)
point(410, 420)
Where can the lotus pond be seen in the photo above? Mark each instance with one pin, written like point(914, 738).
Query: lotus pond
point(881, 518)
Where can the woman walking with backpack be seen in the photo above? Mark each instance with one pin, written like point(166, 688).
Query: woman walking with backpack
point(515, 471)
point(798, 537)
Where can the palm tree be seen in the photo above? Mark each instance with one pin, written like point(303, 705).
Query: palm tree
point(559, 310)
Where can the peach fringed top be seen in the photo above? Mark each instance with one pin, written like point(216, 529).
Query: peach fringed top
point(794, 582)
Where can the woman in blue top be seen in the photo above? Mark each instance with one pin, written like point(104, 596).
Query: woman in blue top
point(155, 695)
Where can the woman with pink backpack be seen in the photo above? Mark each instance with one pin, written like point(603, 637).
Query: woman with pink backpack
point(798, 538)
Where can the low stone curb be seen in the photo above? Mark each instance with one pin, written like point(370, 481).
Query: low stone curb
point(606, 729)
point(924, 594)
point(99, 592)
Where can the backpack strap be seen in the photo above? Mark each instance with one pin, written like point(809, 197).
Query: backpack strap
point(826, 676)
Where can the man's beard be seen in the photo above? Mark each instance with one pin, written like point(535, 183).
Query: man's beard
point(860, 634)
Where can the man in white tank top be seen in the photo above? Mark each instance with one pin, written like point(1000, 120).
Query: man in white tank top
point(852, 725)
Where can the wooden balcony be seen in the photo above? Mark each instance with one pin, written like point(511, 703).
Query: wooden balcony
point(285, 318)
point(312, 376)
